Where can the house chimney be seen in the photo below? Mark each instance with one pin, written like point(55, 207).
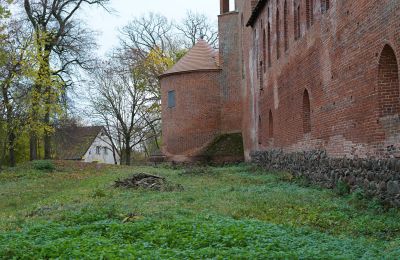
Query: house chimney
point(224, 6)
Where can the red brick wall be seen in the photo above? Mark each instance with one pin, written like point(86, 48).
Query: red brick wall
point(195, 120)
point(230, 78)
point(341, 60)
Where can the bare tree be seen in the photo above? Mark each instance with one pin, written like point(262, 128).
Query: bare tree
point(197, 26)
point(150, 41)
point(61, 44)
point(120, 102)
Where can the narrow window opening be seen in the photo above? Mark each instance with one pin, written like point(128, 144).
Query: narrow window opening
point(285, 25)
point(271, 125)
point(298, 23)
point(295, 21)
point(306, 112)
point(278, 36)
point(264, 48)
point(171, 99)
point(261, 75)
point(325, 4)
point(269, 45)
point(309, 13)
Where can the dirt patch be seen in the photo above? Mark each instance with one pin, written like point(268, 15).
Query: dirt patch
point(148, 182)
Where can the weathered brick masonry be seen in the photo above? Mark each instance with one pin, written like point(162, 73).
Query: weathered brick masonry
point(334, 86)
point(295, 76)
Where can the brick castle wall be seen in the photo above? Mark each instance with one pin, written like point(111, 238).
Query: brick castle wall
point(230, 78)
point(334, 88)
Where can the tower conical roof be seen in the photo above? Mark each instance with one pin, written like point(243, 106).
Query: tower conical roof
point(201, 57)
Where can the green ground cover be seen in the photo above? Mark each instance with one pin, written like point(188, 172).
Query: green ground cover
point(235, 212)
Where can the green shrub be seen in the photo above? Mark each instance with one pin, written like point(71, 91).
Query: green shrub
point(44, 165)
point(342, 188)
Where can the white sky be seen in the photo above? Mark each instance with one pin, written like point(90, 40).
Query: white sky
point(108, 24)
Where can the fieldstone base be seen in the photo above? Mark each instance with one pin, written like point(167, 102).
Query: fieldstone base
point(377, 178)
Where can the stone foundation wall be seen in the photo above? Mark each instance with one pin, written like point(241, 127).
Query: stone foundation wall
point(377, 178)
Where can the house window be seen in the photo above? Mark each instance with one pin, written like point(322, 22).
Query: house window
point(171, 99)
point(105, 150)
point(98, 150)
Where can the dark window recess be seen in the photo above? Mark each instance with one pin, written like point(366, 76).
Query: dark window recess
point(325, 4)
point(306, 112)
point(171, 98)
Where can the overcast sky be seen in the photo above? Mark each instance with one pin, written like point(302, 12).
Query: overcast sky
point(124, 10)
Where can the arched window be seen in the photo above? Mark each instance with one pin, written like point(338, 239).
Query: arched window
point(388, 83)
point(271, 125)
point(325, 4)
point(269, 45)
point(306, 112)
point(278, 35)
point(310, 12)
point(285, 26)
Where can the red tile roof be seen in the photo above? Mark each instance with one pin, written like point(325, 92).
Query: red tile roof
point(201, 57)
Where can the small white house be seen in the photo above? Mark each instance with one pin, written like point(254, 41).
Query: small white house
point(87, 144)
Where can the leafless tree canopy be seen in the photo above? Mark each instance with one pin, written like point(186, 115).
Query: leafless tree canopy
point(197, 26)
point(121, 102)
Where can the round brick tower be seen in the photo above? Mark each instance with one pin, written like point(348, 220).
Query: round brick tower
point(191, 105)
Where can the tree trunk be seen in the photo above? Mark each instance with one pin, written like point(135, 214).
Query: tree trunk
point(11, 148)
point(47, 138)
point(128, 156)
point(127, 151)
point(3, 154)
point(33, 151)
point(114, 156)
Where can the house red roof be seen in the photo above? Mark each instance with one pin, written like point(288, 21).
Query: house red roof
point(201, 57)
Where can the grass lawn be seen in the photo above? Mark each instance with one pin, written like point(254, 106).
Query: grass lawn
point(235, 212)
